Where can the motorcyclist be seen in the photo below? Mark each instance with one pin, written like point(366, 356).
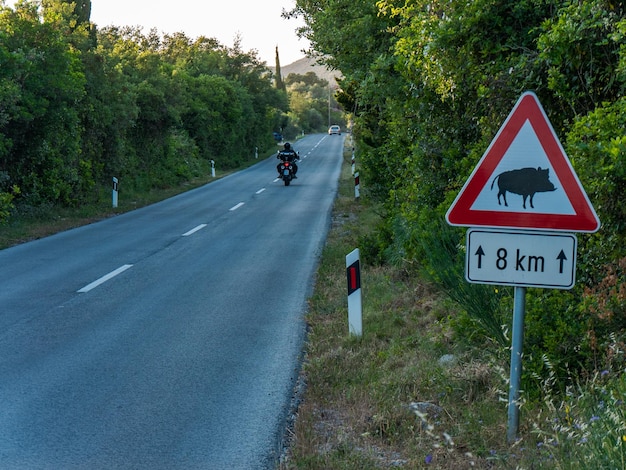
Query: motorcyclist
point(287, 155)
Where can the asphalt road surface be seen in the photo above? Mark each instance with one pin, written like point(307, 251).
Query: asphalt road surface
point(169, 337)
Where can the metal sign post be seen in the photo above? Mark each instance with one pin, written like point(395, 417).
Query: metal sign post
point(517, 341)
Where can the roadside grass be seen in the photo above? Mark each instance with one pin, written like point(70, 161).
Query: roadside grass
point(585, 428)
point(412, 394)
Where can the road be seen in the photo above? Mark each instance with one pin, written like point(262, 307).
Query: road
point(168, 337)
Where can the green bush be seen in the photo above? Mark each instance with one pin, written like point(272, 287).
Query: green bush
point(597, 147)
point(555, 331)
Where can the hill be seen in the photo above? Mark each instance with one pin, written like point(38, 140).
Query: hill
point(305, 65)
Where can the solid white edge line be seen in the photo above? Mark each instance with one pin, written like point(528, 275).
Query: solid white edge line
point(194, 230)
point(105, 278)
point(234, 208)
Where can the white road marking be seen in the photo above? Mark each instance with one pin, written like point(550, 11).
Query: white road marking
point(194, 230)
point(234, 208)
point(104, 279)
point(260, 190)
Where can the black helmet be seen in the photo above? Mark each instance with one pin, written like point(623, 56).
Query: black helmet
point(287, 146)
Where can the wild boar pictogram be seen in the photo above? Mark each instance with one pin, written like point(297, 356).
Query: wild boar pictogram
point(525, 182)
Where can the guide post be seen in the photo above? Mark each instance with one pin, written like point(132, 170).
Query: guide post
point(353, 272)
point(115, 181)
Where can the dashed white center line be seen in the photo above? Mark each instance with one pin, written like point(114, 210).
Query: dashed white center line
point(123, 268)
point(104, 279)
point(194, 230)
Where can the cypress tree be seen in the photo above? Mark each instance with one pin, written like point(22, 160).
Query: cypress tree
point(82, 8)
point(280, 85)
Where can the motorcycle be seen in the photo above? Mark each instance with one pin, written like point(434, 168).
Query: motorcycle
point(286, 172)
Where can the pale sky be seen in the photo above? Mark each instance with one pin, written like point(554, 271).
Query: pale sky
point(258, 22)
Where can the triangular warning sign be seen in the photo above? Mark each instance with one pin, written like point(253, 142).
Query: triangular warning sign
point(524, 180)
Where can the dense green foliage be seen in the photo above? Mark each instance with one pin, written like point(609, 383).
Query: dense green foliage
point(429, 83)
point(80, 105)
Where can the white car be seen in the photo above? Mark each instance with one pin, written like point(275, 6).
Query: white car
point(334, 130)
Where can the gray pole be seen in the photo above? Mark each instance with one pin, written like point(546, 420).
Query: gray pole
point(517, 342)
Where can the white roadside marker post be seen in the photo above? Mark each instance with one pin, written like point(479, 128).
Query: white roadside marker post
point(213, 168)
point(357, 186)
point(115, 181)
point(355, 316)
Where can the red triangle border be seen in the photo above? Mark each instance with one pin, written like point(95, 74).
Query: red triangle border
point(529, 109)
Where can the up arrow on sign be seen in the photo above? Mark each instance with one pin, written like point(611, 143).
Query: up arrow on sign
point(562, 258)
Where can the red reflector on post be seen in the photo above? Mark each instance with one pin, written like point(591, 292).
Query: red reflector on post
point(354, 277)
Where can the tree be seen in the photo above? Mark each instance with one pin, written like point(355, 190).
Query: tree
point(72, 14)
point(353, 37)
point(278, 75)
point(43, 132)
point(79, 9)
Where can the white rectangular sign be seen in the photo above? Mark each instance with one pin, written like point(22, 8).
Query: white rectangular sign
point(521, 258)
